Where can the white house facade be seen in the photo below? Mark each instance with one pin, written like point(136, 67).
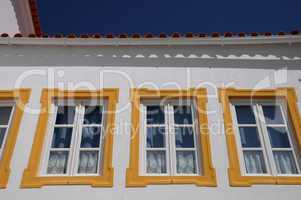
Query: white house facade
point(167, 117)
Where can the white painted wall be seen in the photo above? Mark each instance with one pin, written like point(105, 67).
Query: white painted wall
point(80, 66)
point(8, 20)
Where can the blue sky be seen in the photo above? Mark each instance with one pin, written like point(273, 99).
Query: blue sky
point(199, 16)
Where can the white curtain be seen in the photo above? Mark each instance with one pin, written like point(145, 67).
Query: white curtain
point(285, 162)
point(88, 162)
point(254, 162)
point(156, 163)
point(57, 163)
point(185, 163)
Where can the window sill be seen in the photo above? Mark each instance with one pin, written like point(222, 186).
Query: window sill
point(134, 180)
point(237, 180)
point(31, 181)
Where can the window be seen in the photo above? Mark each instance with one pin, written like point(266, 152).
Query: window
point(12, 103)
point(173, 147)
point(265, 127)
point(76, 139)
point(77, 147)
point(168, 139)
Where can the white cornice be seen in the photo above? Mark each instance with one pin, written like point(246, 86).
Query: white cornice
point(221, 41)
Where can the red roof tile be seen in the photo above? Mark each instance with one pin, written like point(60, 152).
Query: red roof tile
point(161, 35)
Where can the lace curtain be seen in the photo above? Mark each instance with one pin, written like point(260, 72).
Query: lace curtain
point(254, 162)
point(57, 162)
point(88, 162)
point(186, 162)
point(156, 162)
point(285, 162)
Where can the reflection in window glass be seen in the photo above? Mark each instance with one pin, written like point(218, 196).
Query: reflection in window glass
point(184, 137)
point(245, 114)
point(183, 115)
point(249, 137)
point(93, 115)
point(155, 115)
point(5, 112)
point(65, 115)
point(272, 114)
point(155, 137)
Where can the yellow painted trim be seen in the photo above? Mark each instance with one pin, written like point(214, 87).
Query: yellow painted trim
point(133, 179)
point(225, 96)
point(31, 178)
point(20, 97)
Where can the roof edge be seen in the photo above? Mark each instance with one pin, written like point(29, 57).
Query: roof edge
point(35, 16)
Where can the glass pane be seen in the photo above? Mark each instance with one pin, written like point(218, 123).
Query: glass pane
point(155, 137)
point(93, 115)
point(5, 114)
point(2, 134)
point(65, 115)
point(90, 137)
point(285, 162)
point(186, 163)
point(156, 162)
point(184, 137)
point(254, 162)
point(272, 114)
point(182, 114)
point(88, 162)
point(155, 115)
point(245, 114)
point(278, 137)
point(57, 163)
point(249, 137)
point(61, 137)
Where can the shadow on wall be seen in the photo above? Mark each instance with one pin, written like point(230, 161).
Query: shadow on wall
point(267, 56)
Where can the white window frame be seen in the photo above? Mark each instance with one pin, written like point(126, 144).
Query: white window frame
point(170, 146)
point(264, 137)
point(7, 126)
point(74, 149)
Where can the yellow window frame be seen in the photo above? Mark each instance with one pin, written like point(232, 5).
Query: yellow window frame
point(31, 178)
point(208, 178)
point(290, 98)
point(20, 97)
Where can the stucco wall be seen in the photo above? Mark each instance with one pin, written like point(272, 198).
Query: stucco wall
point(64, 67)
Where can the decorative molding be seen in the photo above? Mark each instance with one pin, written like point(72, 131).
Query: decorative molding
point(225, 95)
point(133, 178)
point(31, 178)
point(20, 97)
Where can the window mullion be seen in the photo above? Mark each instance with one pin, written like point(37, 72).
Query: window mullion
point(101, 147)
point(196, 135)
point(266, 141)
point(171, 144)
point(74, 147)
